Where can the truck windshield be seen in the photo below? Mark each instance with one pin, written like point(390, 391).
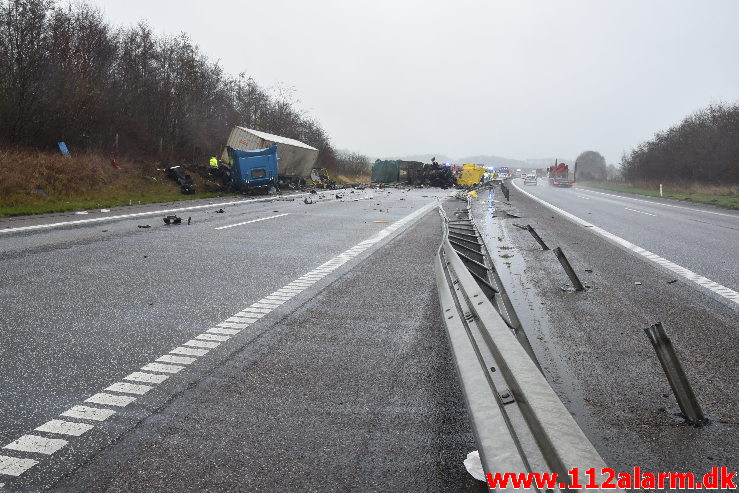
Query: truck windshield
point(258, 173)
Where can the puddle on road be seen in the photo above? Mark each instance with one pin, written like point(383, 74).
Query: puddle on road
point(490, 217)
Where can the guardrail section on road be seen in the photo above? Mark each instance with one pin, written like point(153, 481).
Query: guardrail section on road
point(519, 423)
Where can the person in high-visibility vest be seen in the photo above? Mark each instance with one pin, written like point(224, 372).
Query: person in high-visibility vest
point(213, 162)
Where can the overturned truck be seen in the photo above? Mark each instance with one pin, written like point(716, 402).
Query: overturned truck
point(295, 159)
point(414, 173)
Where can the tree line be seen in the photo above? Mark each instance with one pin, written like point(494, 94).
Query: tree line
point(68, 75)
point(703, 148)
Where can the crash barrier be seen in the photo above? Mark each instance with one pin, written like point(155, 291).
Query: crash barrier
point(505, 190)
point(675, 374)
point(576, 283)
point(519, 423)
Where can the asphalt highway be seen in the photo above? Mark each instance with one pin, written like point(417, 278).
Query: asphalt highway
point(699, 238)
point(591, 344)
point(112, 327)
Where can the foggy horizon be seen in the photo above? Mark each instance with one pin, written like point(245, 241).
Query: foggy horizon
point(520, 81)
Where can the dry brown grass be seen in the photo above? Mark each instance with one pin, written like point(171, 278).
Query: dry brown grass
point(33, 181)
point(23, 172)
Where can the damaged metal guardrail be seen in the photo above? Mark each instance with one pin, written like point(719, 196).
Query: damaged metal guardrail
point(519, 423)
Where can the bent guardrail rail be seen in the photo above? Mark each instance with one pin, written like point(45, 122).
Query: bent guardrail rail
point(519, 422)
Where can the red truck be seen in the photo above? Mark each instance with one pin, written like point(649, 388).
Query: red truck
point(560, 176)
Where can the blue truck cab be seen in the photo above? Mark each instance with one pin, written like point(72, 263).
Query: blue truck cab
point(252, 170)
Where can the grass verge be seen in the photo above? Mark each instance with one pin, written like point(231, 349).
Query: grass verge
point(37, 182)
point(98, 201)
point(725, 196)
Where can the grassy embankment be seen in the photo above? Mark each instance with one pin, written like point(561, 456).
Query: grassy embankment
point(33, 182)
point(725, 195)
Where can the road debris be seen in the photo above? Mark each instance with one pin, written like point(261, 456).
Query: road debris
point(672, 281)
point(189, 218)
point(307, 200)
point(172, 220)
point(144, 226)
point(473, 464)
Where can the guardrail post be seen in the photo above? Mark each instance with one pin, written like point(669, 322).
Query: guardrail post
point(568, 269)
point(675, 374)
point(537, 237)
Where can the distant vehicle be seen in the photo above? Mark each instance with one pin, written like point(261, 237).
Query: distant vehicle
point(560, 176)
point(529, 179)
point(296, 159)
point(503, 172)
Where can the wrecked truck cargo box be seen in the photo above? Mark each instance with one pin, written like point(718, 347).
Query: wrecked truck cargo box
point(385, 172)
point(471, 175)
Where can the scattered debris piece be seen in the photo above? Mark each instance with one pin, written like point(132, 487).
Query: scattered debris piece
point(187, 186)
point(672, 282)
point(588, 270)
point(379, 221)
point(172, 220)
point(307, 200)
point(144, 226)
point(521, 226)
point(638, 283)
point(314, 191)
point(473, 464)
point(104, 210)
point(339, 196)
point(105, 231)
point(189, 218)
point(220, 211)
point(81, 212)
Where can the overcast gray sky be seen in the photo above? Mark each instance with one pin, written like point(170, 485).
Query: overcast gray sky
point(520, 78)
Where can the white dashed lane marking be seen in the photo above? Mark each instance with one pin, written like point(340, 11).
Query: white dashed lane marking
point(190, 351)
point(640, 212)
point(59, 427)
point(37, 444)
point(182, 360)
point(162, 368)
point(133, 388)
point(13, 466)
point(138, 376)
point(660, 204)
point(111, 400)
point(252, 221)
point(704, 282)
point(168, 364)
point(91, 413)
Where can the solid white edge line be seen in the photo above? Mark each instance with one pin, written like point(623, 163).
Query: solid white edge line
point(704, 282)
point(128, 216)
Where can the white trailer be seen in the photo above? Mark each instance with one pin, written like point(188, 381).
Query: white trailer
point(295, 159)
